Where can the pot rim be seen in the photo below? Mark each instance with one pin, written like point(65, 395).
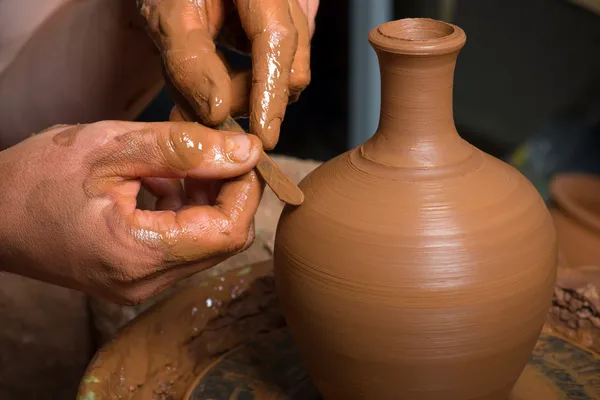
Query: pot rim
point(566, 195)
point(417, 36)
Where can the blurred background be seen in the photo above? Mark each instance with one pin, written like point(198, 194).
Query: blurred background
point(527, 85)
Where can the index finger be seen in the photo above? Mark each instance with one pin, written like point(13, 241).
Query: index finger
point(184, 32)
point(274, 39)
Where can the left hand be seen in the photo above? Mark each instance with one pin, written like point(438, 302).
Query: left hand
point(277, 33)
point(71, 216)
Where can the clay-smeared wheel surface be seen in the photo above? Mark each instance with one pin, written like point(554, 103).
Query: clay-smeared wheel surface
point(225, 338)
point(417, 267)
point(270, 368)
point(266, 368)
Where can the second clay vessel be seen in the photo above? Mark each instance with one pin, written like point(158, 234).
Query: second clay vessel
point(576, 213)
point(418, 267)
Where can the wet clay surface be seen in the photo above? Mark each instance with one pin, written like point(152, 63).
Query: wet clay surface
point(244, 351)
point(276, 34)
point(416, 234)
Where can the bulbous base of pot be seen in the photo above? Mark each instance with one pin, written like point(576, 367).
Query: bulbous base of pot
point(416, 283)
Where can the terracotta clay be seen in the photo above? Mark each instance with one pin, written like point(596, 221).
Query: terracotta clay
point(576, 214)
point(285, 189)
point(276, 33)
point(228, 331)
point(161, 352)
point(418, 267)
point(575, 311)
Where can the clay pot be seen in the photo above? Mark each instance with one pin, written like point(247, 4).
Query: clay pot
point(418, 266)
point(576, 215)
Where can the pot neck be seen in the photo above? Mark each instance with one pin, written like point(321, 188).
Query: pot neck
point(416, 126)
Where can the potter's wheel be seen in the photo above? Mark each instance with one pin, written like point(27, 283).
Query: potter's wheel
point(225, 339)
point(270, 368)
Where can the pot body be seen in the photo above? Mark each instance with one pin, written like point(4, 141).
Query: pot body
point(402, 283)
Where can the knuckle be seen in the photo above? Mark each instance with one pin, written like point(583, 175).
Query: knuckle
point(102, 133)
point(102, 125)
point(285, 34)
point(238, 240)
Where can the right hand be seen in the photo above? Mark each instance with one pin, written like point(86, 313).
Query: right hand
point(69, 212)
point(276, 34)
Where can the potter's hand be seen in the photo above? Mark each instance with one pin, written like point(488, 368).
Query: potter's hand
point(276, 32)
point(69, 205)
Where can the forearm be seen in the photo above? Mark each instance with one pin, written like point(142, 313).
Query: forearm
point(90, 61)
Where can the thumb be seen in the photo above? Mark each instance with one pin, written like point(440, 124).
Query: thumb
point(178, 150)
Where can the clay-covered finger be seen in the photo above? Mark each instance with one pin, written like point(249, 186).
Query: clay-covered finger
point(185, 32)
point(201, 79)
point(196, 233)
point(241, 86)
point(177, 150)
point(300, 72)
point(274, 39)
point(165, 278)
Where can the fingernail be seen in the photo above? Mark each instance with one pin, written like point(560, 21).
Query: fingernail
point(238, 147)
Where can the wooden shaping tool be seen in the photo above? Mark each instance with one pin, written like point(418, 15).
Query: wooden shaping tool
point(283, 187)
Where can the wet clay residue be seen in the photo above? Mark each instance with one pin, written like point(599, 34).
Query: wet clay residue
point(159, 355)
point(67, 137)
point(277, 34)
point(418, 266)
point(244, 351)
point(185, 149)
point(283, 187)
point(267, 367)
